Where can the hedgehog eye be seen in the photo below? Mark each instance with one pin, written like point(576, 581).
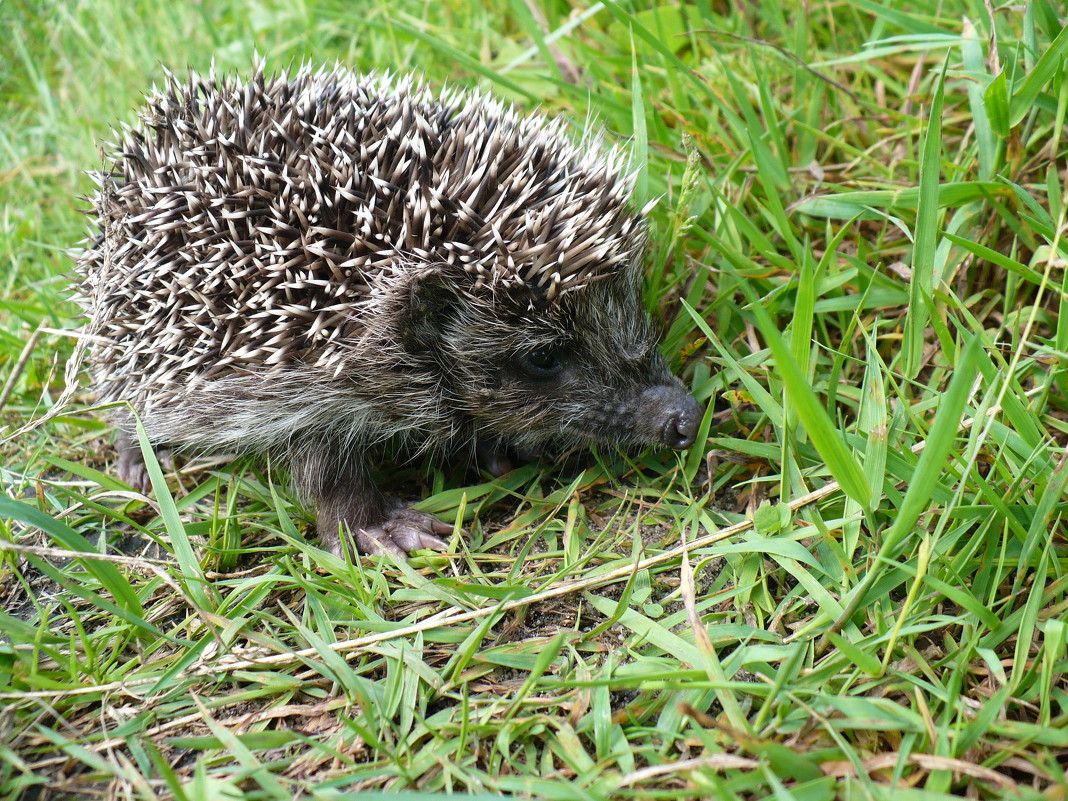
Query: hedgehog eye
point(542, 363)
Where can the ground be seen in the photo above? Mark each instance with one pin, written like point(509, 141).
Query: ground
point(850, 587)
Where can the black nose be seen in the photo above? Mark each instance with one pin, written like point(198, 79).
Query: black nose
point(673, 415)
point(680, 430)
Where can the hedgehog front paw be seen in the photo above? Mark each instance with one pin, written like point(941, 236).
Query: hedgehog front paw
point(404, 530)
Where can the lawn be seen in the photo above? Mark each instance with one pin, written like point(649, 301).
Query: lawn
point(854, 585)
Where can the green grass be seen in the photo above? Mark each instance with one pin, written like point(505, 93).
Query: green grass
point(855, 586)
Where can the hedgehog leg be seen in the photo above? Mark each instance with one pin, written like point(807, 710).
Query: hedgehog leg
point(493, 458)
point(354, 514)
point(497, 459)
point(131, 466)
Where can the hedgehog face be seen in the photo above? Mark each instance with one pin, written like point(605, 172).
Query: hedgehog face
point(583, 369)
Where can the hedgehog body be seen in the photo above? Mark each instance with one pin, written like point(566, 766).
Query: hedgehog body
point(312, 265)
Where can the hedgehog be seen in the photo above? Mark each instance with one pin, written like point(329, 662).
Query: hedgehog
point(326, 268)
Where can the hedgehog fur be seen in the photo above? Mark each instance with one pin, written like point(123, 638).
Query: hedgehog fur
point(312, 265)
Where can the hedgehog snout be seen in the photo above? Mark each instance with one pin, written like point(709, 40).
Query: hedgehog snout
point(673, 414)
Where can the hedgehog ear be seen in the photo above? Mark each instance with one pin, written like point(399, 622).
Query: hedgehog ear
point(429, 301)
